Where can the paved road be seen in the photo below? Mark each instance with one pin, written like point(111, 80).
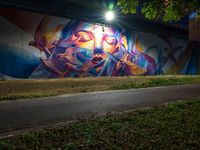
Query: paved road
point(24, 114)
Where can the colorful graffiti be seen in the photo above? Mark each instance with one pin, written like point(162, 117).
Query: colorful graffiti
point(85, 49)
point(73, 48)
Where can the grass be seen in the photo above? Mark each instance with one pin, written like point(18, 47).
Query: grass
point(170, 126)
point(20, 89)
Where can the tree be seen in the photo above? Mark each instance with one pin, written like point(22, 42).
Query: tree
point(165, 10)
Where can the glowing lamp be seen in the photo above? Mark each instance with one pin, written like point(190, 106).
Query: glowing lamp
point(109, 15)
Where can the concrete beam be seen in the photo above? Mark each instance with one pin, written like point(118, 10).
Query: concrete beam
point(67, 9)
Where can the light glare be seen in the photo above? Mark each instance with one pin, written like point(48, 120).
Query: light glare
point(109, 15)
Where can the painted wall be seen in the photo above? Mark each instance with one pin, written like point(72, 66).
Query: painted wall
point(37, 46)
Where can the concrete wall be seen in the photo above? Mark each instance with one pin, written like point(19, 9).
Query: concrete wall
point(38, 46)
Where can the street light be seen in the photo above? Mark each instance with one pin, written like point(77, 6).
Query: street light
point(109, 15)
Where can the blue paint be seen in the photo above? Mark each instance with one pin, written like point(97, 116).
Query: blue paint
point(14, 64)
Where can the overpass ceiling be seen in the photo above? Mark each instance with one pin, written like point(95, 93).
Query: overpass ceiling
point(91, 10)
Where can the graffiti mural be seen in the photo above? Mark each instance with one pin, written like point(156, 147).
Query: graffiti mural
point(49, 47)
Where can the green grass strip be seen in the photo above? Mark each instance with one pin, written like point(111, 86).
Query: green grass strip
point(27, 89)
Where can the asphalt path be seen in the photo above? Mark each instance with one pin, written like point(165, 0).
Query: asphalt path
point(26, 114)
